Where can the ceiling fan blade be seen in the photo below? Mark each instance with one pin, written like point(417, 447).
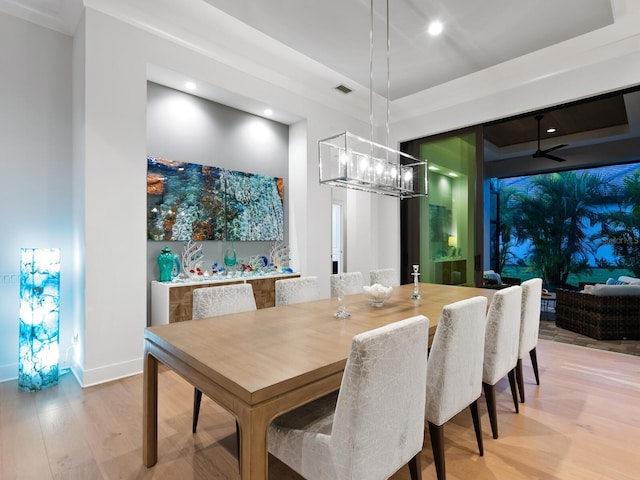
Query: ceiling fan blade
point(547, 150)
point(553, 157)
point(544, 154)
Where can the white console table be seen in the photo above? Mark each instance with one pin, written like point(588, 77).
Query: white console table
point(173, 302)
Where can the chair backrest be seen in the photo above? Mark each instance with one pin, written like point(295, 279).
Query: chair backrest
point(379, 418)
point(352, 283)
point(530, 315)
point(384, 276)
point(222, 300)
point(502, 335)
point(297, 290)
point(455, 360)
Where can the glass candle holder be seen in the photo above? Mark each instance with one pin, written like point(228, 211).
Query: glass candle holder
point(416, 289)
point(342, 311)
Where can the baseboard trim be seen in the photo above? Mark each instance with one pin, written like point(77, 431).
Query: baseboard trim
point(8, 372)
point(96, 376)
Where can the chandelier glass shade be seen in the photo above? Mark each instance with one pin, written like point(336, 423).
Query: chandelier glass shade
point(350, 161)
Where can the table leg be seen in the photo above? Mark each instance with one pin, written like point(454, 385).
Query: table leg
point(253, 445)
point(150, 409)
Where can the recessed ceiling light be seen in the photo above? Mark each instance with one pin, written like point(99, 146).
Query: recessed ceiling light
point(551, 130)
point(453, 175)
point(190, 86)
point(268, 112)
point(435, 28)
point(434, 168)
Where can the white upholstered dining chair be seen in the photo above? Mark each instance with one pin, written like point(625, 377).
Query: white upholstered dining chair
point(222, 300)
point(297, 290)
point(214, 302)
point(384, 276)
point(353, 283)
point(454, 381)
point(501, 348)
point(374, 424)
point(529, 328)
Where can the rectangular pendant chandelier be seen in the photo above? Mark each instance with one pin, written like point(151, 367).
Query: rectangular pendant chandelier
point(39, 318)
point(348, 160)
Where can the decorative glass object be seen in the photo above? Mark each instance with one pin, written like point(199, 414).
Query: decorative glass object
point(39, 318)
point(377, 294)
point(192, 259)
point(416, 291)
point(256, 264)
point(168, 264)
point(230, 259)
point(342, 311)
point(279, 255)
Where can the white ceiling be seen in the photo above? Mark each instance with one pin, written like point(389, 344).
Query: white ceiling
point(477, 34)
point(334, 35)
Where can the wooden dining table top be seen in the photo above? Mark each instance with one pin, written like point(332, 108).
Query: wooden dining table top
point(259, 355)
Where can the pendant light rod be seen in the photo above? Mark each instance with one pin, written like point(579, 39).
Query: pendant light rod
point(388, 76)
point(371, 76)
point(350, 161)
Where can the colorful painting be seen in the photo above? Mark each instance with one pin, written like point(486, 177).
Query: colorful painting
point(187, 201)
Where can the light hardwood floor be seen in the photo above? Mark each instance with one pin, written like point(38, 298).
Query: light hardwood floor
point(582, 423)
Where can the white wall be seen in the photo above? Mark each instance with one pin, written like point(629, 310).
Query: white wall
point(114, 153)
point(35, 180)
point(187, 128)
point(77, 191)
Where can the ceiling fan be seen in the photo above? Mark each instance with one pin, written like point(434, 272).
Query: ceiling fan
point(545, 153)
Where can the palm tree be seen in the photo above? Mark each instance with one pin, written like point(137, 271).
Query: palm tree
point(553, 216)
point(501, 240)
point(622, 229)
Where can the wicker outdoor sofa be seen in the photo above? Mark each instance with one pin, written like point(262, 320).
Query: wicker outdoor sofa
point(604, 317)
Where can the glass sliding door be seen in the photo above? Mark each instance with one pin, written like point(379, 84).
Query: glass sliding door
point(439, 231)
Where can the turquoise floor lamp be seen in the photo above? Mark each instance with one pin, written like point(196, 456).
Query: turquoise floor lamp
point(39, 318)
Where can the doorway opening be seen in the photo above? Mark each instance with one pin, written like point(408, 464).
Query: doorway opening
point(337, 238)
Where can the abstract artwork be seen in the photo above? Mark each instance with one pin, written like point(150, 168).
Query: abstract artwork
point(39, 318)
point(187, 201)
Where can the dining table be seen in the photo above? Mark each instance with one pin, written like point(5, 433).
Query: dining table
point(262, 363)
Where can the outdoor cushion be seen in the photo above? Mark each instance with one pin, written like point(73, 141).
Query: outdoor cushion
point(491, 275)
point(629, 280)
point(615, 290)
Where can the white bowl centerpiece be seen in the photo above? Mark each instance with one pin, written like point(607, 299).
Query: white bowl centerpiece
point(377, 294)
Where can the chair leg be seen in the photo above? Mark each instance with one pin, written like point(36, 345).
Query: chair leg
point(414, 467)
point(490, 397)
point(436, 432)
point(197, 399)
point(238, 440)
point(512, 384)
point(520, 379)
point(534, 362)
point(477, 426)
